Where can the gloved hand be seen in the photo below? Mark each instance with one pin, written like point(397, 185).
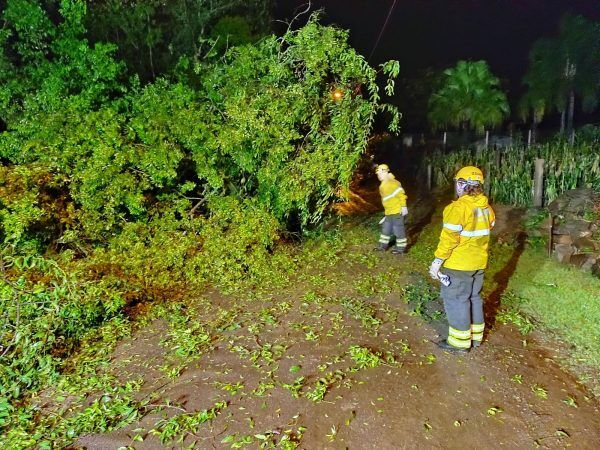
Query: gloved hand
point(404, 211)
point(435, 268)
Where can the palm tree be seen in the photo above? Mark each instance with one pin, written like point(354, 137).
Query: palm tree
point(469, 97)
point(533, 103)
point(563, 68)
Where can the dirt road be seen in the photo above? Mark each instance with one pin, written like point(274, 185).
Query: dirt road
point(341, 360)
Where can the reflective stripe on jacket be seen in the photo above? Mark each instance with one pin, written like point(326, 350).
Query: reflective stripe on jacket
point(393, 196)
point(465, 235)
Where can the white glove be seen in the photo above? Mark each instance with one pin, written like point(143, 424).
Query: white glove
point(382, 220)
point(435, 268)
point(404, 211)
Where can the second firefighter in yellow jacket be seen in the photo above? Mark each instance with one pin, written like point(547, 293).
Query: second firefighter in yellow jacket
point(463, 253)
point(393, 198)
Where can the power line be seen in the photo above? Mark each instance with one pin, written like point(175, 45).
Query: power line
point(382, 30)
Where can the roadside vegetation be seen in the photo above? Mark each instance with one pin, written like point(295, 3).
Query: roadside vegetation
point(165, 213)
point(509, 172)
point(561, 299)
point(90, 393)
point(114, 194)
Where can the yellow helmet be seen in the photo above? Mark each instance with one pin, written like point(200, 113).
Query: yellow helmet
point(469, 173)
point(382, 167)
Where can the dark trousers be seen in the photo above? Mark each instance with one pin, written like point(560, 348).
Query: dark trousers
point(393, 225)
point(464, 306)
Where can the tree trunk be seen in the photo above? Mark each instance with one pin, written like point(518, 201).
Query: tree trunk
point(429, 177)
point(562, 121)
point(150, 55)
point(570, 117)
point(534, 128)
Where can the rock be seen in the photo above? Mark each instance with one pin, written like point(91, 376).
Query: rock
point(558, 206)
point(584, 261)
point(574, 234)
point(582, 234)
point(574, 202)
point(562, 239)
point(585, 244)
point(596, 269)
point(563, 252)
point(591, 261)
point(576, 228)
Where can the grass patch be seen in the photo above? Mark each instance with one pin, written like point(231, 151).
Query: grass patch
point(422, 251)
point(562, 299)
point(510, 313)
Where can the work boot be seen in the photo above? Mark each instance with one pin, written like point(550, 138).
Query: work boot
point(445, 346)
point(398, 250)
point(380, 248)
point(476, 344)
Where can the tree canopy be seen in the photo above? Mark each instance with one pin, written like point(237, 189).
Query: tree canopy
point(259, 124)
point(151, 35)
point(469, 96)
point(564, 65)
point(188, 179)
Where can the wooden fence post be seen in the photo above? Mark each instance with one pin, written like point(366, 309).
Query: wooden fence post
point(538, 183)
point(429, 177)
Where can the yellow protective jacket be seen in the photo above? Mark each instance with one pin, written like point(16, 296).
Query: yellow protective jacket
point(465, 236)
point(393, 196)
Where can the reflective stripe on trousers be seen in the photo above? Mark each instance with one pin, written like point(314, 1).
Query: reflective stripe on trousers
point(459, 338)
point(394, 225)
point(477, 331)
point(401, 243)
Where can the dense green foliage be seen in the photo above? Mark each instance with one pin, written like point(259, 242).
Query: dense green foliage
point(469, 95)
point(260, 125)
point(46, 311)
point(135, 192)
point(509, 172)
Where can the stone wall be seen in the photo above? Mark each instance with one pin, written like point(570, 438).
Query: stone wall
point(576, 229)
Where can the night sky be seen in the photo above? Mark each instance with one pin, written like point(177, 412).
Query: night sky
point(435, 34)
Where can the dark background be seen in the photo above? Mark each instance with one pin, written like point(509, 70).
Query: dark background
point(435, 34)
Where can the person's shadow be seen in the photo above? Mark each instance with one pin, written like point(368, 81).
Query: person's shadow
point(493, 302)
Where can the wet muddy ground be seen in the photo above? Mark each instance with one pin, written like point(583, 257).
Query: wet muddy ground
point(341, 360)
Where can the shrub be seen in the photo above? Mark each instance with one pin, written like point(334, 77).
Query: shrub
point(45, 311)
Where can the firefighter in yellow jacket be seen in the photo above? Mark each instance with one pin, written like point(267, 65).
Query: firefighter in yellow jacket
point(393, 198)
point(461, 258)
